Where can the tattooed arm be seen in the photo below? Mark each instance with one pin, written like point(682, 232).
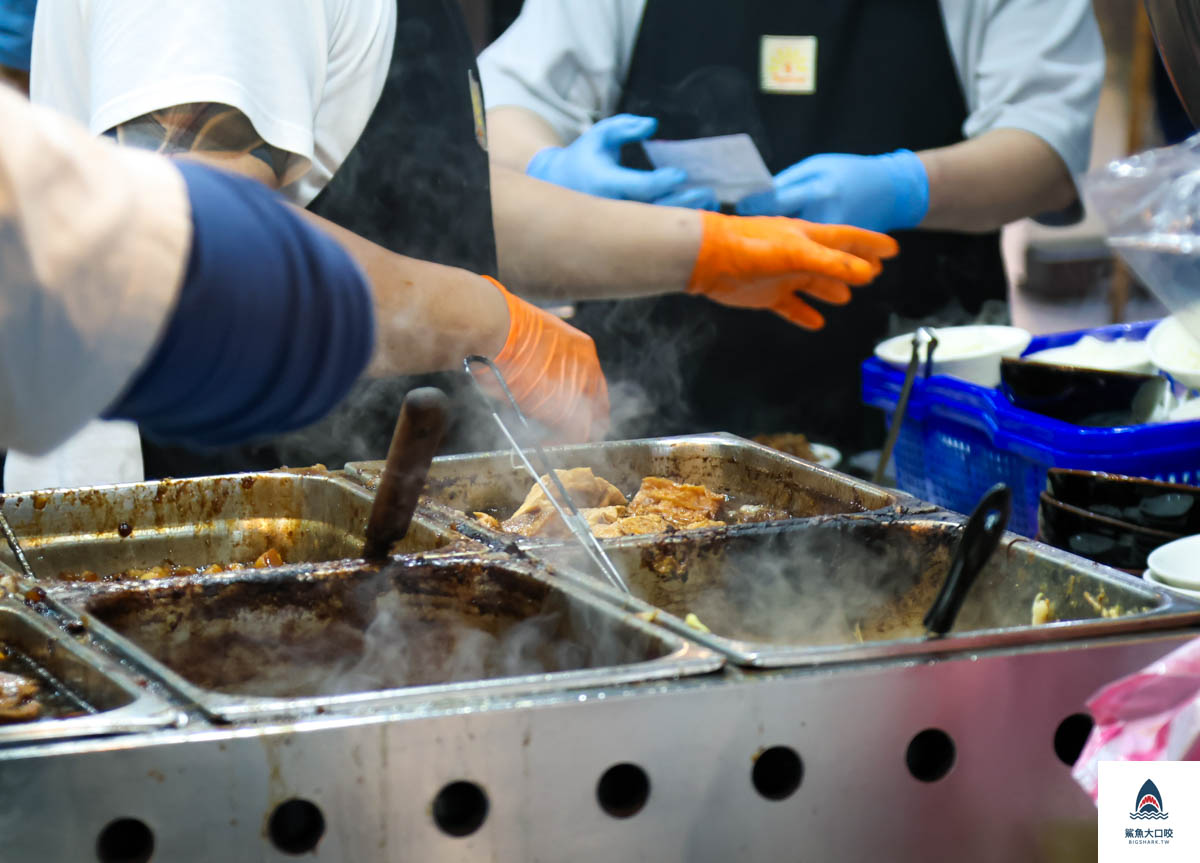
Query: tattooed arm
point(220, 135)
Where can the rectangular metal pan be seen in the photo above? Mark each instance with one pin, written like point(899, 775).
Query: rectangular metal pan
point(788, 594)
point(308, 516)
point(747, 472)
point(83, 691)
point(303, 639)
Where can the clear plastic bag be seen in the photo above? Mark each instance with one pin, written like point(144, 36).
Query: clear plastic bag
point(1150, 206)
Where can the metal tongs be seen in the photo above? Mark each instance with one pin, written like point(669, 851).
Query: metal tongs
point(573, 519)
point(10, 537)
point(922, 335)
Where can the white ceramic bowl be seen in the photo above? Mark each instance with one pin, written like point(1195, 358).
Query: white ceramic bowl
point(1185, 411)
point(1118, 355)
point(826, 456)
point(1177, 563)
point(969, 353)
point(1152, 577)
point(1173, 350)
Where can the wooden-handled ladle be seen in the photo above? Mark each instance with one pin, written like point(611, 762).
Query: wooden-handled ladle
point(418, 433)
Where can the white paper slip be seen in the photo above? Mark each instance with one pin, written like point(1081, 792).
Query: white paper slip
point(729, 164)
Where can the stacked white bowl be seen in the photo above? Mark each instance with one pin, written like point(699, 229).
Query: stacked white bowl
point(1176, 566)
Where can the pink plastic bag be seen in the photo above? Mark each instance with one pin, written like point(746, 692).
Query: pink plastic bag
point(1152, 715)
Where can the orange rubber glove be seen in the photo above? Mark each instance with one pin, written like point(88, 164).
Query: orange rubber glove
point(552, 370)
point(764, 262)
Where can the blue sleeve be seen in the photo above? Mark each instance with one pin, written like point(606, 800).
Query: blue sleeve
point(273, 325)
point(16, 32)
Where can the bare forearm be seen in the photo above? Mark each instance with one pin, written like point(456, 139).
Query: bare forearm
point(428, 316)
point(556, 243)
point(516, 134)
point(986, 182)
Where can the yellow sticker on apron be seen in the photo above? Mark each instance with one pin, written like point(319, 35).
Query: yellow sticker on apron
point(788, 64)
point(477, 109)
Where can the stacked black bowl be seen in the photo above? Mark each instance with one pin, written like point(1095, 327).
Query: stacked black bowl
point(1115, 520)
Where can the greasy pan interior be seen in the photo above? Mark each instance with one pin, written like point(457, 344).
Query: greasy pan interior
point(848, 581)
point(300, 632)
point(68, 686)
point(747, 473)
point(306, 517)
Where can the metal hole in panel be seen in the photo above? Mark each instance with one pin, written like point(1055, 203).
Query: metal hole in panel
point(777, 772)
point(1070, 737)
point(623, 790)
point(460, 808)
point(125, 840)
point(296, 826)
point(930, 755)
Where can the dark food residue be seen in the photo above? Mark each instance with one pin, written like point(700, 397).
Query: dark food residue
point(168, 569)
point(23, 695)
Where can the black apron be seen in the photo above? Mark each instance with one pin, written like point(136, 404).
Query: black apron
point(885, 80)
point(417, 183)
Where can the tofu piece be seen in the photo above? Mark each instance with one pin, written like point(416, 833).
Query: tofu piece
point(639, 525)
point(1043, 610)
point(488, 521)
point(601, 515)
point(17, 698)
point(536, 515)
point(682, 506)
point(604, 520)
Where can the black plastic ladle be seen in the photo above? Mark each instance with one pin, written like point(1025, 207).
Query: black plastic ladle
point(980, 537)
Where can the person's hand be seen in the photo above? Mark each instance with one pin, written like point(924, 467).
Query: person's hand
point(552, 370)
point(880, 193)
point(765, 262)
point(592, 164)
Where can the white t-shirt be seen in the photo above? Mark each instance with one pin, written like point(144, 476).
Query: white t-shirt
point(1035, 65)
point(306, 72)
point(93, 243)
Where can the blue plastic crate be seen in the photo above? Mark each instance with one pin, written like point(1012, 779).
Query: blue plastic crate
point(958, 439)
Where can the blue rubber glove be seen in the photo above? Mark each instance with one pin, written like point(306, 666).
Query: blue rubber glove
point(879, 193)
point(16, 33)
point(592, 164)
point(701, 198)
point(273, 324)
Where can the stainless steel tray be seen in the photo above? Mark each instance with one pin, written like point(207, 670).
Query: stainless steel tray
point(74, 679)
point(748, 472)
point(306, 639)
point(309, 516)
point(788, 594)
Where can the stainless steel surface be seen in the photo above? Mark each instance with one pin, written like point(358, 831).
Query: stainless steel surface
point(573, 519)
point(302, 639)
point(793, 594)
point(209, 795)
point(1176, 26)
point(307, 516)
point(748, 472)
point(373, 760)
point(109, 699)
